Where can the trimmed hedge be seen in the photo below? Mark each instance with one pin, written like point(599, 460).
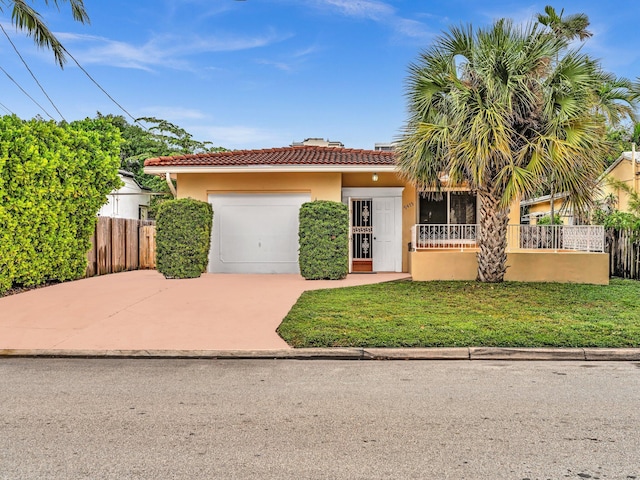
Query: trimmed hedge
point(183, 237)
point(324, 240)
point(53, 180)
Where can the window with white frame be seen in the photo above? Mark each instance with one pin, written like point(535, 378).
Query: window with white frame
point(448, 208)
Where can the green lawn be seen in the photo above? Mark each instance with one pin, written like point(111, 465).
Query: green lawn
point(465, 314)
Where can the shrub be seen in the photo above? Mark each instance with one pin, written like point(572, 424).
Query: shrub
point(53, 180)
point(622, 221)
point(546, 220)
point(183, 237)
point(324, 240)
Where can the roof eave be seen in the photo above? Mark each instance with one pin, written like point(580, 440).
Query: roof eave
point(162, 169)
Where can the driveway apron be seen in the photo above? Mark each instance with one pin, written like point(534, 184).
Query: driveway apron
point(142, 310)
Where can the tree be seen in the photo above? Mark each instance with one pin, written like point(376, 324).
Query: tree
point(502, 109)
point(25, 18)
point(569, 28)
point(161, 138)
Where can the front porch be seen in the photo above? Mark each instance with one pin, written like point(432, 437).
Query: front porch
point(535, 253)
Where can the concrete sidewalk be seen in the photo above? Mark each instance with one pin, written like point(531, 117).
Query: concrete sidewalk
point(143, 311)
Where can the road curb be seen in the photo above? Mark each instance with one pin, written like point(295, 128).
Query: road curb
point(346, 353)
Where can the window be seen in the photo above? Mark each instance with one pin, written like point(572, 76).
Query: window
point(455, 208)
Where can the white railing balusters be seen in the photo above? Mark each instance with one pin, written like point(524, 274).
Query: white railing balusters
point(582, 238)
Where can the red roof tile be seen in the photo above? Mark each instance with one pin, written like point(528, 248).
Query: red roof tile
point(305, 155)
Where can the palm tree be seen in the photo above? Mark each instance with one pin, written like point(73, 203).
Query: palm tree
point(569, 28)
point(501, 109)
point(25, 18)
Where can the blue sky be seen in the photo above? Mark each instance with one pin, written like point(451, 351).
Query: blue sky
point(265, 73)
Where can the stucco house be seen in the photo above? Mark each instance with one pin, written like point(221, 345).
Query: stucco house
point(625, 169)
point(535, 208)
point(129, 201)
point(256, 196)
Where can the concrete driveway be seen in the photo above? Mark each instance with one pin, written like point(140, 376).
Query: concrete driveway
point(142, 310)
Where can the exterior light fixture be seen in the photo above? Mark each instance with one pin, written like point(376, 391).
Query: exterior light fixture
point(374, 177)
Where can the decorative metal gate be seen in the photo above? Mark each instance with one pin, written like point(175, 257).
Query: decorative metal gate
point(362, 235)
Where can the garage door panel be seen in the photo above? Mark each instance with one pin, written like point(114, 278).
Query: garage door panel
point(259, 234)
point(255, 233)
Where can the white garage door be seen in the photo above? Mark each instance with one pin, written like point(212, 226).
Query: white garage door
point(255, 233)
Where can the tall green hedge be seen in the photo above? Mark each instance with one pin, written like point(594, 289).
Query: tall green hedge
point(53, 180)
point(324, 240)
point(183, 237)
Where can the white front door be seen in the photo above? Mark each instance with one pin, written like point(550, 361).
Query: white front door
point(384, 234)
point(385, 248)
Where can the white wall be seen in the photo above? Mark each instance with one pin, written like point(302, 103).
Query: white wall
point(125, 202)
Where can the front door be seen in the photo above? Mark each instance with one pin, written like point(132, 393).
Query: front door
point(376, 228)
point(362, 235)
point(373, 235)
point(384, 234)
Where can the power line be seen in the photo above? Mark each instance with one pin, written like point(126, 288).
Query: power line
point(25, 92)
point(32, 75)
point(6, 109)
point(103, 90)
point(135, 120)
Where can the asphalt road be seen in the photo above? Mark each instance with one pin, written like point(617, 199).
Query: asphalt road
point(267, 419)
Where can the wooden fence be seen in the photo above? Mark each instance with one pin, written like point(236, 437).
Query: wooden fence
point(120, 244)
point(624, 254)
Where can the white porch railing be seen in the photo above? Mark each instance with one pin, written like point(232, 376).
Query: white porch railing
point(444, 236)
point(582, 238)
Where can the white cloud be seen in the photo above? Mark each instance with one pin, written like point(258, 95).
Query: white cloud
point(285, 67)
point(412, 28)
point(380, 12)
point(166, 51)
point(370, 9)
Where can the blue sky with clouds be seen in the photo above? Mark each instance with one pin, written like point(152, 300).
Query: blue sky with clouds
point(265, 73)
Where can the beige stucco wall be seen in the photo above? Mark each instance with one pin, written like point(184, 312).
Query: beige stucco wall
point(564, 267)
point(321, 186)
point(545, 209)
point(429, 265)
point(328, 186)
point(623, 172)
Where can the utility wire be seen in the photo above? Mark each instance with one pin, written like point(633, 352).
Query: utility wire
point(32, 75)
point(24, 91)
point(135, 120)
point(6, 109)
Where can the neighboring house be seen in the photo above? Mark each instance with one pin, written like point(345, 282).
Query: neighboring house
point(256, 197)
point(384, 147)
point(535, 208)
point(317, 142)
point(129, 201)
point(624, 170)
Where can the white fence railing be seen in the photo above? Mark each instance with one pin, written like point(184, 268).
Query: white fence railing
point(582, 238)
point(444, 236)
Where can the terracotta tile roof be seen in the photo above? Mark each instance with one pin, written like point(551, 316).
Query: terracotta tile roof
point(304, 155)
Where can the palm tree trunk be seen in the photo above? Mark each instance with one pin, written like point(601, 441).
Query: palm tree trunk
point(492, 239)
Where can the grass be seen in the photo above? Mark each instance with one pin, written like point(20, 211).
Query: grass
point(465, 314)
